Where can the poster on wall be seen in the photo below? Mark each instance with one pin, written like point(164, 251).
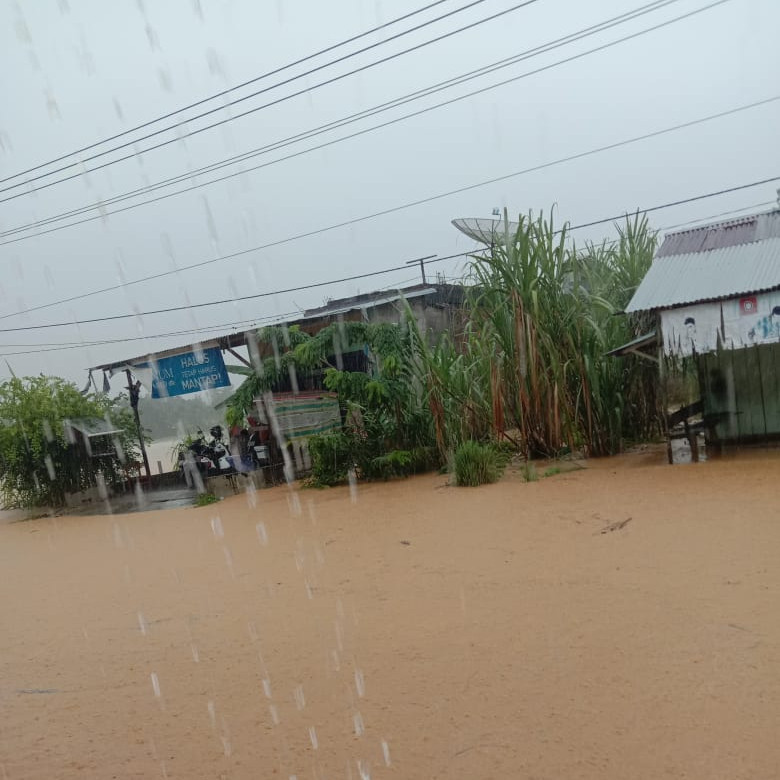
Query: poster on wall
point(691, 329)
point(738, 322)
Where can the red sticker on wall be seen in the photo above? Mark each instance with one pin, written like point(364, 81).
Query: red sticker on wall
point(748, 305)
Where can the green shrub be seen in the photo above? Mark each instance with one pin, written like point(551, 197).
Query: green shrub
point(332, 457)
point(396, 463)
point(477, 464)
point(401, 463)
point(204, 499)
point(530, 474)
point(41, 458)
point(425, 459)
point(552, 471)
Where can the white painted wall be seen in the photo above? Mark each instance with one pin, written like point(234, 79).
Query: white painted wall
point(739, 322)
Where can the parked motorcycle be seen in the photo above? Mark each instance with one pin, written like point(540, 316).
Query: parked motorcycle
point(259, 452)
point(210, 458)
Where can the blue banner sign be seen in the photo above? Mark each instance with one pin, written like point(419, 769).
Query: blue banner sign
point(189, 372)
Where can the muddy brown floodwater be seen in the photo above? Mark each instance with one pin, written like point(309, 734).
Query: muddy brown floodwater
point(520, 630)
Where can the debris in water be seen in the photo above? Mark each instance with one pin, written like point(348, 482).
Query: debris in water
point(619, 526)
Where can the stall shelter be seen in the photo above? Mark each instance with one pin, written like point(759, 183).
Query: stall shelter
point(715, 291)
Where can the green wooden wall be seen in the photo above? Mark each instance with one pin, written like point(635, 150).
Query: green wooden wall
point(741, 392)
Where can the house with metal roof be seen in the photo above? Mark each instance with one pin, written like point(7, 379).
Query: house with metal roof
point(715, 291)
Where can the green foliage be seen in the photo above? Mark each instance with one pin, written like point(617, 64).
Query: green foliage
point(530, 365)
point(396, 463)
point(552, 471)
point(180, 449)
point(477, 464)
point(204, 499)
point(528, 370)
point(388, 430)
point(401, 463)
point(332, 458)
point(39, 461)
point(529, 472)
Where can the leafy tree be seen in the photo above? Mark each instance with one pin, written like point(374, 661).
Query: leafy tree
point(388, 426)
point(39, 460)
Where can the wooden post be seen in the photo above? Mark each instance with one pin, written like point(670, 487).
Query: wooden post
point(421, 261)
point(133, 390)
point(662, 382)
point(693, 443)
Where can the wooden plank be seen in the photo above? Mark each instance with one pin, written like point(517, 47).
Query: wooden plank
point(769, 356)
point(757, 388)
point(750, 417)
point(731, 402)
point(717, 383)
point(685, 412)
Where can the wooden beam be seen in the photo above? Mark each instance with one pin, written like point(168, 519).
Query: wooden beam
point(638, 353)
point(238, 357)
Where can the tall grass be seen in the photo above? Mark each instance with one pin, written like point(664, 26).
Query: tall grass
point(477, 464)
point(531, 364)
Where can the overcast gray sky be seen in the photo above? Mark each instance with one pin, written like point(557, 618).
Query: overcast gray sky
point(77, 71)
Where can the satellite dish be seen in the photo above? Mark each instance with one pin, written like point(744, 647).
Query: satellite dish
point(487, 231)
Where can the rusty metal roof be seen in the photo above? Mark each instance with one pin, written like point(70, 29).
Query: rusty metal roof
point(721, 260)
point(719, 235)
point(311, 320)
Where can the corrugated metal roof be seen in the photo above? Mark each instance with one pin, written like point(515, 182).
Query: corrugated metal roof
point(727, 272)
point(368, 301)
point(640, 342)
point(163, 353)
point(718, 235)
point(334, 308)
point(719, 260)
point(93, 426)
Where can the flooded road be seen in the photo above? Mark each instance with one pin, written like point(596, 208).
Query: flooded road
point(612, 622)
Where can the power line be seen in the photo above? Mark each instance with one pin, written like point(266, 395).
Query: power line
point(224, 92)
point(411, 204)
point(273, 318)
point(666, 228)
point(679, 202)
point(360, 132)
point(53, 346)
point(313, 285)
point(366, 113)
point(274, 102)
point(720, 214)
point(204, 304)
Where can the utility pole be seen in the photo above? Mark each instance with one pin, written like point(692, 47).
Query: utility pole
point(134, 390)
point(421, 261)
